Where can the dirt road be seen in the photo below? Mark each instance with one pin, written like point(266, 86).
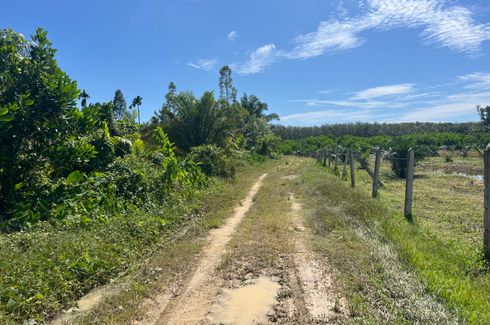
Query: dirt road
point(285, 255)
point(257, 268)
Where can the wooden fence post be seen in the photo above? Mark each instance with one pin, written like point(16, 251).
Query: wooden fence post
point(376, 173)
point(344, 166)
point(352, 169)
point(409, 184)
point(486, 203)
point(324, 158)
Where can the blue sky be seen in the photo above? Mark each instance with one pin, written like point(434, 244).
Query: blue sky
point(314, 62)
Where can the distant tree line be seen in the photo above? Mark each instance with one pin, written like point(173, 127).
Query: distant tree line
point(372, 129)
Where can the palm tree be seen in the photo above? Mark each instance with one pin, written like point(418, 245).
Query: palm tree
point(137, 101)
point(195, 121)
point(84, 96)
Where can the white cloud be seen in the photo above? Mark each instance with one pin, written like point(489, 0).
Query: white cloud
point(233, 35)
point(384, 91)
point(258, 60)
point(204, 64)
point(350, 103)
point(442, 112)
point(326, 117)
point(477, 80)
point(454, 101)
point(442, 25)
point(331, 37)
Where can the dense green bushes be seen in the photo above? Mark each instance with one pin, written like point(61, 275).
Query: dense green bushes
point(62, 164)
point(213, 161)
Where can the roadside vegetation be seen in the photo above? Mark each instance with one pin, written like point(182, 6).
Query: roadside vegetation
point(443, 244)
point(354, 234)
point(86, 190)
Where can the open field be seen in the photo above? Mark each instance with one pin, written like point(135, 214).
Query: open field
point(444, 243)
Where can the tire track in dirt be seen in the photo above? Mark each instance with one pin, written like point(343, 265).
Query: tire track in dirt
point(190, 303)
point(318, 295)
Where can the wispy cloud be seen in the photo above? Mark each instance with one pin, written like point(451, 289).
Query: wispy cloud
point(477, 80)
point(204, 64)
point(350, 103)
point(443, 25)
point(384, 91)
point(400, 103)
point(233, 35)
point(259, 59)
point(326, 117)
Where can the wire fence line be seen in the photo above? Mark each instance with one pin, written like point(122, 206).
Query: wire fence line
point(332, 158)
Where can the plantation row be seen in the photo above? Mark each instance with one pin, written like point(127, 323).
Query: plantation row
point(394, 148)
point(72, 165)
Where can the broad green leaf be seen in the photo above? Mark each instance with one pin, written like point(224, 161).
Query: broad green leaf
point(74, 177)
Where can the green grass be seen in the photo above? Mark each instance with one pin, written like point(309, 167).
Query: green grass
point(354, 235)
point(444, 243)
point(47, 270)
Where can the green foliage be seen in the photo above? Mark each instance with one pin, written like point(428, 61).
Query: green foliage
point(267, 145)
point(213, 161)
point(193, 122)
point(373, 129)
point(307, 145)
point(120, 106)
point(37, 101)
point(398, 154)
point(448, 159)
point(227, 91)
point(88, 186)
point(137, 101)
point(484, 113)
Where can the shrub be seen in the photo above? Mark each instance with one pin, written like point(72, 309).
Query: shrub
point(267, 145)
point(448, 159)
point(398, 154)
point(212, 161)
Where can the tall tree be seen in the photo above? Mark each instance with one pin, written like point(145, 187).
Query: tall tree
point(84, 96)
point(120, 106)
point(168, 105)
point(40, 99)
point(137, 101)
point(227, 91)
point(484, 113)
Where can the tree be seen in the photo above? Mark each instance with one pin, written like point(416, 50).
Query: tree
point(84, 96)
point(484, 113)
point(257, 108)
point(168, 105)
point(195, 122)
point(137, 101)
point(40, 99)
point(120, 106)
point(228, 93)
